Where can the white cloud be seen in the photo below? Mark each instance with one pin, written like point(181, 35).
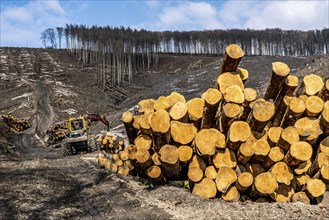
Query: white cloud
point(284, 14)
point(185, 16)
point(302, 15)
point(22, 25)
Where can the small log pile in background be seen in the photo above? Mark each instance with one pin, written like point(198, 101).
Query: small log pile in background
point(229, 143)
point(114, 155)
point(15, 124)
point(57, 133)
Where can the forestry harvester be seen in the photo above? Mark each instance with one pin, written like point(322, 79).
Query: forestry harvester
point(80, 137)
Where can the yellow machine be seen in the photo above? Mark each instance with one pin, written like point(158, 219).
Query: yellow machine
point(80, 137)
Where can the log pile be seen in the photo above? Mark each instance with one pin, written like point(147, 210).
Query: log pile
point(57, 132)
point(110, 143)
point(229, 143)
point(15, 124)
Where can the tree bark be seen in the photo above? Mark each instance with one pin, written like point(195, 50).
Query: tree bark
point(212, 98)
point(280, 72)
point(262, 112)
point(233, 55)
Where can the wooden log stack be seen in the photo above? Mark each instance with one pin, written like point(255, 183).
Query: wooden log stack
point(231, 144)
point(15, 124)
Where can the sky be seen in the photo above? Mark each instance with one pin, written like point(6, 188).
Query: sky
point(22, 21)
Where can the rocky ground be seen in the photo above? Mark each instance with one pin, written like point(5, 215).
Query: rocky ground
point(38, 183)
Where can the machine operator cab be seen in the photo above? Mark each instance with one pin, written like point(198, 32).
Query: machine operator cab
point(77, 127)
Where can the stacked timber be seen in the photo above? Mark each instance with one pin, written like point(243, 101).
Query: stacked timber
point(231, 144)
point(57, 132)
point(112, 144)
point(15, 124)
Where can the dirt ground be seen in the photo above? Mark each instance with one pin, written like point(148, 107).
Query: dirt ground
point(38, 183)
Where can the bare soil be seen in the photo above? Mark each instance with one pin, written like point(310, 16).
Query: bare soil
point(38, 183)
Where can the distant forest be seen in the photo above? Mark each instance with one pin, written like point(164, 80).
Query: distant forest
point(119, 51)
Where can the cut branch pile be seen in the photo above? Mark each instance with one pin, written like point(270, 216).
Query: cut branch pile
point(230, 144)
point(15, 124)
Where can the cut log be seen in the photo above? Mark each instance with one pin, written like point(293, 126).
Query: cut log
point(144, 158)
point(160, 125)
point(175, 97)
point(208, 140)
point(298, 153)
point(315, 188)
point(300, 197)
point(246, 150)
point(303, 168)
point(182, 133)
point(250, 95)
point(261, 114)
point(170, 162)
point(261, 150)
point(265, 184)
point(224, 157)
point(128, 119)
point(128, 164)
point(155, 174)
point(299, 181)
point(230, 113)
point(123, 155)
point(283, 193)
point(320, 160)
point(233, 55)
point(197, 162)
point(132, 152)
point(288, 88)
point(195, 111)
point(144, 124)
point(289, 136)
point(195, 175)
point(324, 119)
point(273, 135)
point(136, 123)
point(101, 161)
point(225, 178)
point(233, 94)
point(231, 195)
point(123, 170)
point(146, 106)
point(324, 94)
point(212, 98)
point(185, 154)
point(156, 159)
point(211, 172)
point(243, 73)
point(229, 79)
point(162, 103)
point(255, 169)
point(282, 173)
point(244, 181)
point(178, 112)
point(308, 129)
point(143, 141)
point(294, 112)
point(324, 146)
point(238, 133)
point(281, 110)
point(311, 85)
point(323, 174)
point(280, 72)
point(205, 189)
point(314, 106)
